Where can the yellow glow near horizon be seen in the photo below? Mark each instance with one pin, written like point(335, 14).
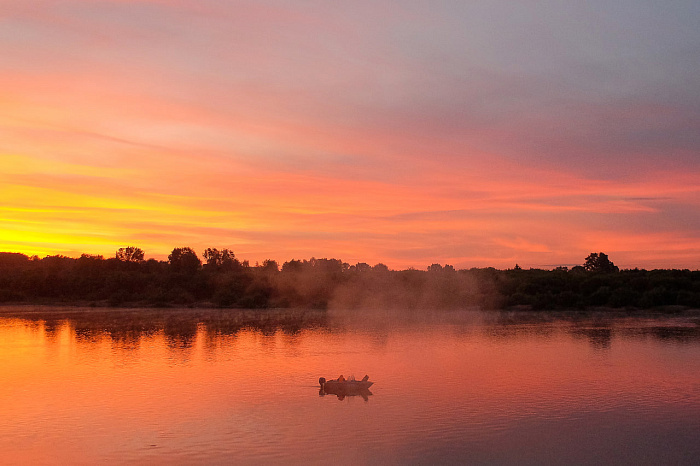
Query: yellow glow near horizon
point(69, 209)
point(120, 126)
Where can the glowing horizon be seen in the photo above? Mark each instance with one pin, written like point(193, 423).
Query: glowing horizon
point(474, 135)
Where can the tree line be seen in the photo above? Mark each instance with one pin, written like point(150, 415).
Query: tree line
point(220, 279)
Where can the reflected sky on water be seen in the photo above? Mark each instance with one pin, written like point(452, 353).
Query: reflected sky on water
point(222, 386)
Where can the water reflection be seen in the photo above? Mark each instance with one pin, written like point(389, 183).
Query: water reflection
point(127, 327)
point(226, 386)
point(342, 392)
point(51, 328)
point(598, 337)
point(599, 328)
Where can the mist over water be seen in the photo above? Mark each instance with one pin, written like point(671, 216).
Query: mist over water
point(408, 290)
point(223, 386)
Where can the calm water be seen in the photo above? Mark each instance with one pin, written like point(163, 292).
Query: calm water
point(188, 386)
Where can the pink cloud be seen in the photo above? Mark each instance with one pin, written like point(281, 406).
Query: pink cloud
point(337, 131)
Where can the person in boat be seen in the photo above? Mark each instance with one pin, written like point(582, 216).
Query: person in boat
point(341, 378)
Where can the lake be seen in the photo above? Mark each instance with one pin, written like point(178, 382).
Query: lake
point(183, 386)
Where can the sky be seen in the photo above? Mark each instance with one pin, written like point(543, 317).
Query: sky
point(471, 133)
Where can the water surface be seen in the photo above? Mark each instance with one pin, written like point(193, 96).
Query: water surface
point(222, 386)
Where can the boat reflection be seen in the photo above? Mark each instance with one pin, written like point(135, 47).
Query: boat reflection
point(342, 392)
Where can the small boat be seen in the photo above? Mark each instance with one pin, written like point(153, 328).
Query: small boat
point(349, 385)
point(342, 388)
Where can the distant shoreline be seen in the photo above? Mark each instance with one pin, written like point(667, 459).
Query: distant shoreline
point(75, 308)
point(224, 282)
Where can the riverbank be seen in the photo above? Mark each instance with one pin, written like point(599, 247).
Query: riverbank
point(333, 284)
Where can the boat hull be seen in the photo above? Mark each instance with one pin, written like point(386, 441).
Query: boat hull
point(347, 385)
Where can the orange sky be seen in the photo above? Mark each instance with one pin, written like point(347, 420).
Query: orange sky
point(357, 132)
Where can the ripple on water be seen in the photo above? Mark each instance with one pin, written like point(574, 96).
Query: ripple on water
point(475, 392)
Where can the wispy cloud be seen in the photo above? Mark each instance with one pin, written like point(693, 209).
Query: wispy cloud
point(474, 133)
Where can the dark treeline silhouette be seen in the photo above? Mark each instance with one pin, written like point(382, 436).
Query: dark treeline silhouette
point(221, 280)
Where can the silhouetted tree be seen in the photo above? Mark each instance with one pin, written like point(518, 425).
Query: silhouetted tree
point(130, 254)
point(293, 265)
point(380, 268)
point(362, 267)
point(270, 265)
point(328, 265)
point(599, 262)
point(126, 279)
point(212, 256)
point(184, 260)
point(435, 268)
point(12, 259)
point(224, 259)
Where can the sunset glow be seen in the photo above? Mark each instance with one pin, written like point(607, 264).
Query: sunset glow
point(469, 133)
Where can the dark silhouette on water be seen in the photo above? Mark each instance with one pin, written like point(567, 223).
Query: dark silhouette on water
point(342, 388)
